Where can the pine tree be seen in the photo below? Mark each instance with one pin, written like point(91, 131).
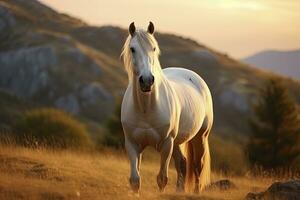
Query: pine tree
point(275, 127)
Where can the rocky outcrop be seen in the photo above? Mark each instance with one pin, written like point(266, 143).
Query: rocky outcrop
point(223, 184)
point(68, 103)
point(25, 71)
point(90, 95)
point(49, 67)
point(289, 190)
point(57, 73)
point(94, 92)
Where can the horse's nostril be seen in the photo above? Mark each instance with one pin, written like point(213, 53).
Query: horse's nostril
point(141, 79)
point(152, 79)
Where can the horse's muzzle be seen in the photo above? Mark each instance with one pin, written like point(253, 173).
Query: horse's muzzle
point(146, 83)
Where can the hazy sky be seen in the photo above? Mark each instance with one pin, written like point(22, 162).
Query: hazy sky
point(237, 27)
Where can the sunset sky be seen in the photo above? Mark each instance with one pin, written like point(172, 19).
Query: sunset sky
point(236, 27)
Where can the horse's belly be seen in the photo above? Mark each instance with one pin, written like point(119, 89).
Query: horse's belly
point(188, 130)
point(191, 117)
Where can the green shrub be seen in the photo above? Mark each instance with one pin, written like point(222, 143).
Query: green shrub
point(52, 128)
point(114, 136)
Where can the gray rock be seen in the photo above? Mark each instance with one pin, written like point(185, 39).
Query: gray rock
point(94, 92)
point(25, 71)
point(68, 103)
point(224, 184)
point(254, 196)
point(78, 56)
point(289, 190)
point(96, 68)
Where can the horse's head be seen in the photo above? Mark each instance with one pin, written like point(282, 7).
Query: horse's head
point(140, 55)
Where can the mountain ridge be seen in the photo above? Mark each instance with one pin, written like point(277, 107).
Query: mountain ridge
point(286, 63)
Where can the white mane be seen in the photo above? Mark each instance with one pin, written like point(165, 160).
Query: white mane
point(145, 40)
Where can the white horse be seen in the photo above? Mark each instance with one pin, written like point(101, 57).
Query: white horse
point(169, 109)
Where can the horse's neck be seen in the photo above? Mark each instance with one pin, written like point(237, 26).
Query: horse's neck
point(147, 102)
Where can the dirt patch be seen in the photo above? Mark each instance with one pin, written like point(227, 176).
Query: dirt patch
point(16, 164)
point(29, 167)
point(43, 172)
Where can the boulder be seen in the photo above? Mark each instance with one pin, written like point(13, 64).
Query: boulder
point(289, 190)
point(68, 103)
point(93, 93)
point(24, 72)
point(223, 184)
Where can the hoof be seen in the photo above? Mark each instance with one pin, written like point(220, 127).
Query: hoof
point(180, 188)
point(196, 190)
point(180, 185)
point(135, 185)
point(162, 182)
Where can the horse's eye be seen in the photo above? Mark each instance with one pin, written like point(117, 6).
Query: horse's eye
point(154, 49)
point(132, 49)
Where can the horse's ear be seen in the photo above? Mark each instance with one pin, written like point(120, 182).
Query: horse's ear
point(151, 28)
point(132, 29)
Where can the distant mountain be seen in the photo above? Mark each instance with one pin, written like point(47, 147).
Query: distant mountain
point(51, 59)
point(286, 63)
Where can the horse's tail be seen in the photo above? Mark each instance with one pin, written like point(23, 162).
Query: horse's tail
point(202, 163)
point(190, 175)
point(205, 174)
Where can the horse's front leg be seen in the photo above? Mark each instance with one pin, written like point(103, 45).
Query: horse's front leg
point(166, 150)
point(134, 154)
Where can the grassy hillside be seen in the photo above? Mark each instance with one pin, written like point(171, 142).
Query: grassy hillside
point(44, 174)
point(56, 60)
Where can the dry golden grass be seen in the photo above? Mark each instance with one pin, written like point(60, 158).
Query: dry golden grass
point(44, 174)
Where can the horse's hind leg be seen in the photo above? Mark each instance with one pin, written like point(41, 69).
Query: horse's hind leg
point(201, 157)
point(180, 165)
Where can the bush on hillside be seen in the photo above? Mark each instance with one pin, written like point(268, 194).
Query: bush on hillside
point(52, 128)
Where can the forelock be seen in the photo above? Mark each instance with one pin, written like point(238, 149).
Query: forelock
point(145, 40)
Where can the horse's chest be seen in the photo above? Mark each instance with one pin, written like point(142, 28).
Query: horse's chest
point(150, 136)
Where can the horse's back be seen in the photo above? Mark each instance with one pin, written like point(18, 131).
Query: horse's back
point(195, 99)
point(188, 77)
